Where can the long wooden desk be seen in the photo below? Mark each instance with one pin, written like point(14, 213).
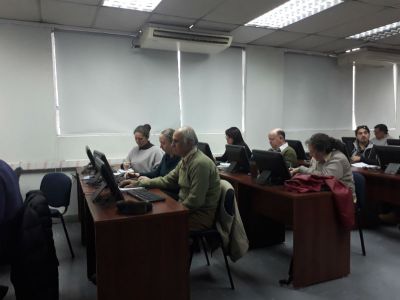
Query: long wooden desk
point(321, 248)
point(137, 257)
point(380, 187)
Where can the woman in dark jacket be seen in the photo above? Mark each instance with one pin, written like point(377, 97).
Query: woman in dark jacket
point(234, 137)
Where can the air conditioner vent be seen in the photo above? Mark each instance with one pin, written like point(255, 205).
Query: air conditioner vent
point(166, 39)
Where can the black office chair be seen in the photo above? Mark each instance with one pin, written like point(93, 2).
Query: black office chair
point(349, 142)
point(359, 182)
point(213, 234)
point(342, 148)
point(57, 189)
point(298, 147)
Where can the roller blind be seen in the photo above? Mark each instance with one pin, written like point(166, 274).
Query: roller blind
point(317, 93)
point(374, 96)
point(106, 86)
point(212, 90)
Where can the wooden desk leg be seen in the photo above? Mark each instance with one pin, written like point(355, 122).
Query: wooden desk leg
point(81, 208)
point(321, 248)
point(90, 244)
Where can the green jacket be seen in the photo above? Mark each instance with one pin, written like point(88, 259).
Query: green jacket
point(290, 156)
point(198, 179)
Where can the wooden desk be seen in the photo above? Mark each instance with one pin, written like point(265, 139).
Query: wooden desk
point(137, 257)
point(380, 187)
point(321, 248)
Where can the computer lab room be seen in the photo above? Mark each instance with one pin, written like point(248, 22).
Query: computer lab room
point(199, 149)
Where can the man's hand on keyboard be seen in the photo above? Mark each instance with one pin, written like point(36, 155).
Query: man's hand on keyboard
point(131, 175)
point(143, 177)
point(128, 183)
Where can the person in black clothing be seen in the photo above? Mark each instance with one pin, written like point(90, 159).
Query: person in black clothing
point(10, 206)
point(363, 149)
point(234, 137)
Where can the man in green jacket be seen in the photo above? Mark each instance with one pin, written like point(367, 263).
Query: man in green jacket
point(278, 143)
point(196, 176)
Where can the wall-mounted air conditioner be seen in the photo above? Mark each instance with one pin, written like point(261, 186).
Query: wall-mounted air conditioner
point(186, 41)
point(369, 57)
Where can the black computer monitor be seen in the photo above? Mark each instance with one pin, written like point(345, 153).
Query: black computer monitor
point(272, 167)
point(387, 155)
point(393, 142)
point(103, 157)
point(205, 148)
point(108, 181)
point(298, 147)
point(91, 157)
point(237, 157)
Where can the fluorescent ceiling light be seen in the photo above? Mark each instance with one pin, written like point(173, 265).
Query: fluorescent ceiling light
point(378, 33)
point(291, 12)
point(142, 5)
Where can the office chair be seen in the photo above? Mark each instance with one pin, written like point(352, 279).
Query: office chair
point(359, 182)
point(342, 148)
point(298, 148)
point(349, 142)
point(57, 189)
point(213, 234)
point(18, 171)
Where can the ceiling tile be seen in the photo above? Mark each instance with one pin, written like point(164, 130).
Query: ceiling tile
point(278, 38)
point(333, 16)
point(208, 25)
point(25, 10)
point(120, 19)
point(394, 3)
point(246, 34)
point(186, 8)
point(357, 25)
point(240, 11)
point(338, 45)
point(67, 13)
point(309, 42)
point(393, 40)
point(171, 21)
point(87, 2)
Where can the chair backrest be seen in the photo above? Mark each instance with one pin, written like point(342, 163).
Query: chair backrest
point(57, 189)
point(349, 142)
point(298, 148)
point(228, 201)
point(359, 182)
point(342, 148)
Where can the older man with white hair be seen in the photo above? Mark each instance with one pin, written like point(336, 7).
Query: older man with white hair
point(196, 176)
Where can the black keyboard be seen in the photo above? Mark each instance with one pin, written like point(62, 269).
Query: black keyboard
point(145, 195)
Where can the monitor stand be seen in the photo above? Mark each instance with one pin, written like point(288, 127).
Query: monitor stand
point(232, 167)
point(264, 177)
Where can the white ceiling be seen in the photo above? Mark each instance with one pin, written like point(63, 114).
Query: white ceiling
point(323, 32)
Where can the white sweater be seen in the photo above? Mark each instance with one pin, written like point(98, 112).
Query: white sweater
point(144, 160)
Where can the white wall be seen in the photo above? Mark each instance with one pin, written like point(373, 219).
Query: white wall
point(28, 114)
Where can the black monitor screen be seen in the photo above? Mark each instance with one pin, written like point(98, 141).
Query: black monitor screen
point(90, 156)
point(237, 157)
point(103, 157)
point(387, 154)
point(298, 147)
point(205, 148)
point(272, 167)
point(393, 142)
point(108, 181)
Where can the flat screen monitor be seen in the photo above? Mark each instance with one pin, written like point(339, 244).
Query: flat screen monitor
point(387, 155)
point(205, 148)
point(91, 157)
point(237, 157)
point(298, 147)
point(103, 157)
point(271, 166)
point(393, 142)
point(108, 181)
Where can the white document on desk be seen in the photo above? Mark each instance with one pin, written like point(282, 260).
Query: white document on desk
point(364, 165)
